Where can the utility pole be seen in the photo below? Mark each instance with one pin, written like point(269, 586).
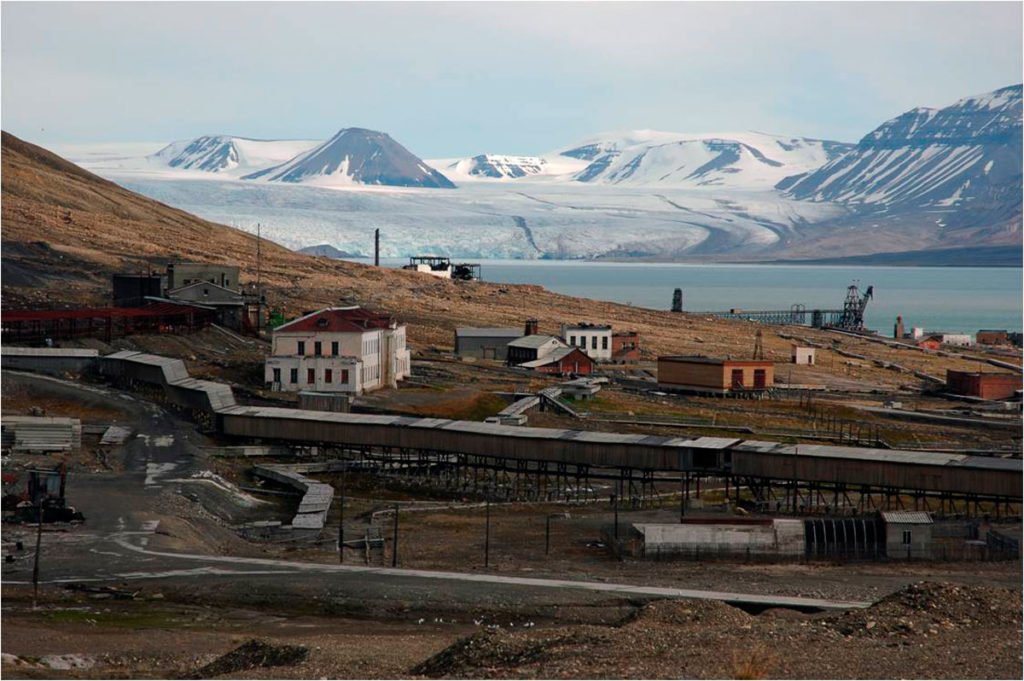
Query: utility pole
point(615, 507)
point(547, 534)
point(341, 520)
point(259, 279)
point(487, 535)
point(39, 545)
point(394, 552)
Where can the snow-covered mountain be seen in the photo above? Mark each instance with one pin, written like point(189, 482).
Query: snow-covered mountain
point(356, 156)
point(966, 155)
point(500, 167)
point(228, 154)
point(744, 161)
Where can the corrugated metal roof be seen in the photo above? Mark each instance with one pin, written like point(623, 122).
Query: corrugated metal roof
point(533, 341)
point(49, 352)
point(907, 517)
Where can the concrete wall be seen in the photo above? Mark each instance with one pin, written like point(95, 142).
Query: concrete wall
point(779, 537)
point(920, 545)
point(802, 355)
point(596, 342)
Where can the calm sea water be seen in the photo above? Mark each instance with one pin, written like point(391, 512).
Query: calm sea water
point(955, 299)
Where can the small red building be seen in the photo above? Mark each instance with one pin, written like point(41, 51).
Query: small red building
point(562, 362)
point(625, 346)
point(988, 385)
point(930, 342)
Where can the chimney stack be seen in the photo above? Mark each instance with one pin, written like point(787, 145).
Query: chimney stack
point(897, 330)
point(376, 247)
point(531, 327)
point(677, 300)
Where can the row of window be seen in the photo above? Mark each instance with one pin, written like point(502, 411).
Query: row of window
point(593, 342)
point(318, 348)
point(371, 373)
point(293, 376)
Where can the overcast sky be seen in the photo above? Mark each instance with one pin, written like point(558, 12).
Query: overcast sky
point(455, 79)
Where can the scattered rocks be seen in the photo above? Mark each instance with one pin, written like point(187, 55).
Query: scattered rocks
point(250, 655)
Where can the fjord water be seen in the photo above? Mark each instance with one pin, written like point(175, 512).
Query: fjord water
point(955, 299)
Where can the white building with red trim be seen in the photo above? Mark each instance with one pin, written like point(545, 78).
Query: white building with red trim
point(338, 349)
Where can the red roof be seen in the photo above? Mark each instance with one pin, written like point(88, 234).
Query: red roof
point(339, 319)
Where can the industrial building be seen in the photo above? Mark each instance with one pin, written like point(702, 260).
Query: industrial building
point(593, 339)
point(184, 273)
point(105, 323)
point(625, 347)
point(485, 342)
point(893, 535)
point(228, 305)
point(338, 349)
point(802, 355)
point(132, 290)
point(992, 337)
point(908, 534)
point(697, 373)
point(987, 385)
point(934, 341)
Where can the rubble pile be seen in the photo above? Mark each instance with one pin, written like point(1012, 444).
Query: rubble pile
point(926, 608)
point(250, 655)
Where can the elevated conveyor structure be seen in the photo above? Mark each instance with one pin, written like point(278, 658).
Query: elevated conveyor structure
point(792, 477)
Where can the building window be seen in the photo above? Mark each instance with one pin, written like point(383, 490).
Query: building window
point(604, 342)
point(302, 348)
point(294, 376)
point(737, 379)
point(318, 348)
point(344, 376)
point(572, 340)
point(277, 375)
point(334, 348)
point(328, 375)
point(906, 537)
point(311, 376)
point(593, 342)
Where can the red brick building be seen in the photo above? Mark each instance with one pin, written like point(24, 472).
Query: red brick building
point(992, 337)
point(988, 385)
point(625, 346)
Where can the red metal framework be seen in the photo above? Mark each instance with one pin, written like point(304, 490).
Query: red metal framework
point(104, 322)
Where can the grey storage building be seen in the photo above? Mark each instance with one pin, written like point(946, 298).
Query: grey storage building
point(485, 342)
point(908, 534)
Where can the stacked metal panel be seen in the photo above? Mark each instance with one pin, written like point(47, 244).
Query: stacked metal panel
point(43, 433)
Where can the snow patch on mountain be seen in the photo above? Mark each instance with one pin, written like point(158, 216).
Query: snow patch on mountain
point(742, 161)
point(227, 153)
point(966, 154)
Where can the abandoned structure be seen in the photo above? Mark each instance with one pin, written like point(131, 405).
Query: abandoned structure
point(992, 337)
point(593, 339)
point(485, 342)
point(625, 346)
point(987, 385)
point(697, 373)
point(908, 534)
point(228, 305)
point(338, 349)
point(184, 273)
point(802, 355)
point(132, 290)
